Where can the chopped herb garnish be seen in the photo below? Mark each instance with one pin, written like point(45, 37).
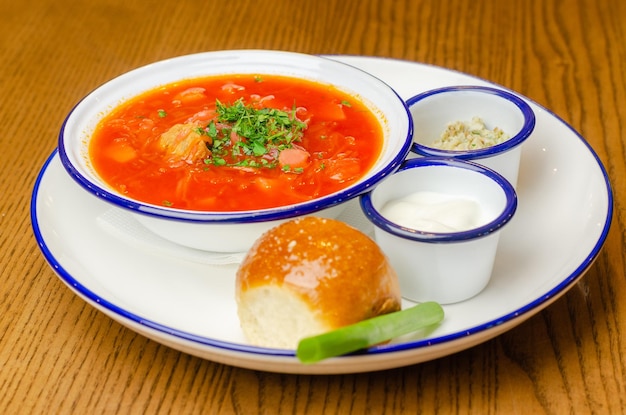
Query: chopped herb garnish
point(218, 161)
point(162, 113)
point(243, 135)
point(258, 79)
point(346, 103)
point(167, 203)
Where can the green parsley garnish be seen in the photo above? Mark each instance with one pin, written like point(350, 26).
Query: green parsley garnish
point(346, 103)
point(259, 132)
point(162, 113)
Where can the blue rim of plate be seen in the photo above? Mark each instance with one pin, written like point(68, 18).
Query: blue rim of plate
point(382, 349)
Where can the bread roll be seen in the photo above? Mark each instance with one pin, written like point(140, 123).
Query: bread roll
point(309, 276)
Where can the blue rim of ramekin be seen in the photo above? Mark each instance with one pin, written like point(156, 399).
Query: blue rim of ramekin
point(449, 237)
point(511, 143)
point(249, 216)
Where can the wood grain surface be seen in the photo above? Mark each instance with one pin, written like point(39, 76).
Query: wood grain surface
point(58, 355)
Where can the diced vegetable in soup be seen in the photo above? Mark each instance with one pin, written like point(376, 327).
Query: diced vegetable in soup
point(237, 142)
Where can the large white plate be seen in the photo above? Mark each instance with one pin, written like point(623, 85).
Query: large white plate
point(564, 214)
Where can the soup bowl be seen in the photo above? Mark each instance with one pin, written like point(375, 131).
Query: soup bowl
point(234, 230)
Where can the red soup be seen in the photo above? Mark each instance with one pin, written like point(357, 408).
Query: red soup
point(236, 142)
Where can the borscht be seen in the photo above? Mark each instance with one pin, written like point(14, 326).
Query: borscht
point(236, 143)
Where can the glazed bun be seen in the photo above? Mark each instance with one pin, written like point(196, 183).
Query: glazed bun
point(308, 276)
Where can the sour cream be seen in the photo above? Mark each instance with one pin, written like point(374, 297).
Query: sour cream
point(434, 212)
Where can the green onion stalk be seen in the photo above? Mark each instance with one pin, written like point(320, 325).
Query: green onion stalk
point(369, 332)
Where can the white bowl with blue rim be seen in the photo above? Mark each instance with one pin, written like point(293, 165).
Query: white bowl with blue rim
point(432, 111)
point(439, 222)
point(232, 231)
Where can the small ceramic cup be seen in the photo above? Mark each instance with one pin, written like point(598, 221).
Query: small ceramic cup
point(434, 110)
point(455, 211)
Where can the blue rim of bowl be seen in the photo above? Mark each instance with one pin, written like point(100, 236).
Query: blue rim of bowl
point(511, 143)
point(248, 216)
point(494, 225)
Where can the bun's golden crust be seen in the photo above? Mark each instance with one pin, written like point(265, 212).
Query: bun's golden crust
point(339, 272)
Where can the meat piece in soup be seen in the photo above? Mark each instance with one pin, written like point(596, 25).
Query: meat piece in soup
point(183, 143)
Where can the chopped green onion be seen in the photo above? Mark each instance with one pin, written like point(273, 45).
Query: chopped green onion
point(369, 332)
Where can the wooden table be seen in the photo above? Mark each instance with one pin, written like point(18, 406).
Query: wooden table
point(60, 355)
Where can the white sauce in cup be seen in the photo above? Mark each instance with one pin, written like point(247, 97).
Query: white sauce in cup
point(434, 212)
